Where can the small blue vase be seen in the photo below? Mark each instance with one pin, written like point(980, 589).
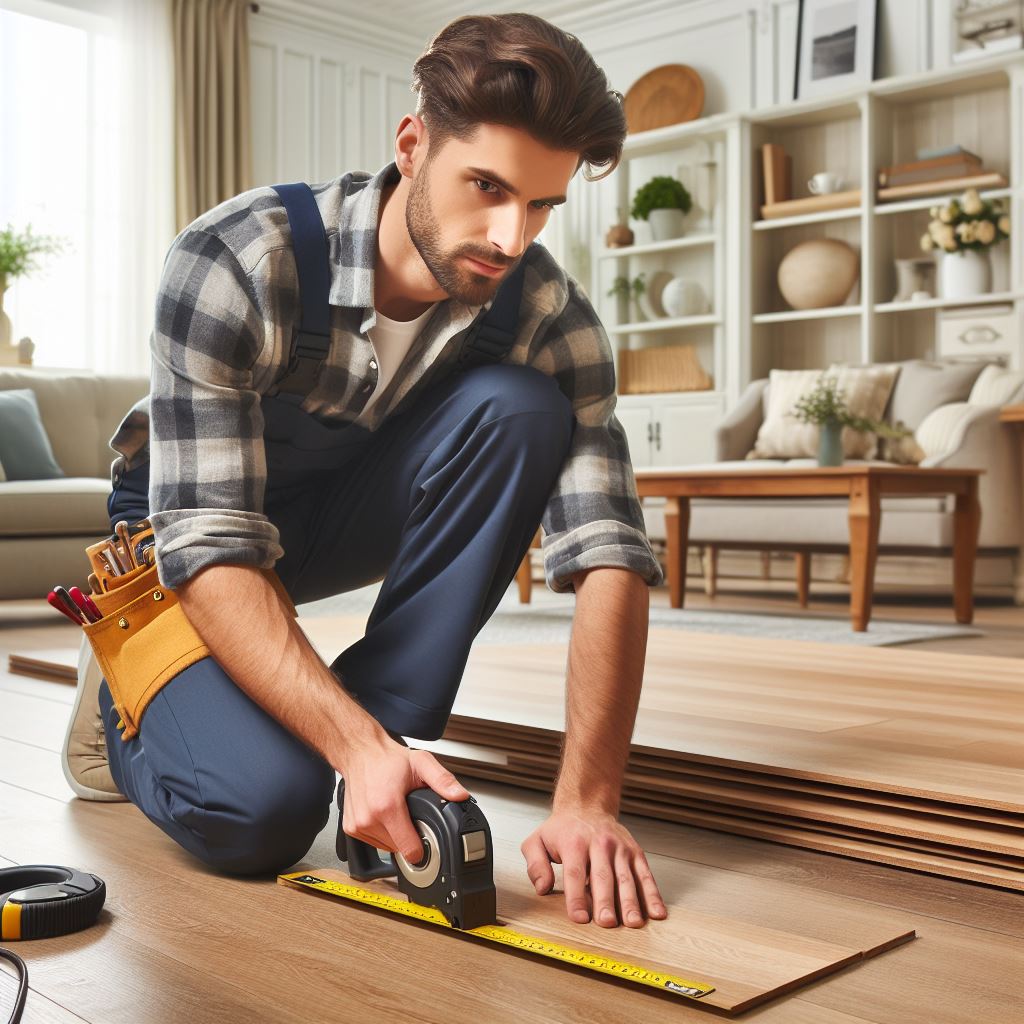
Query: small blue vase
point(830, 444)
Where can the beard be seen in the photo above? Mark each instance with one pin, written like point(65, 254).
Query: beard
point(453, 277)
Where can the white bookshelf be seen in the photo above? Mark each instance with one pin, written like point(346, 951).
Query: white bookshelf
point(750, 328)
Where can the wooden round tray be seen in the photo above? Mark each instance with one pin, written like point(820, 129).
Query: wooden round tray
point(667, 95)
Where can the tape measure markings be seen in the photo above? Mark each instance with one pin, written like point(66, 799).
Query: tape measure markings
point(506, 936)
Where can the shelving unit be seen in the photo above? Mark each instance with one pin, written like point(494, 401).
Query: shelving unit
point(671, 428)
point(750, 328)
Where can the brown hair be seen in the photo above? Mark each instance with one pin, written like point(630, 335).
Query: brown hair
point(520, 71)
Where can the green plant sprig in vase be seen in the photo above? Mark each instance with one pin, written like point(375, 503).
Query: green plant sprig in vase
point(19, 255)
point(825, 407)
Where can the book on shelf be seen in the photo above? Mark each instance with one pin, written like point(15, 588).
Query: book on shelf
point(931, 152)
point(986, 179)
point(953, 166)
point(811, 204)
point(775, 165)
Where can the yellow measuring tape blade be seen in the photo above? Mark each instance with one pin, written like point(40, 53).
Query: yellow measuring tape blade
point(505, 936)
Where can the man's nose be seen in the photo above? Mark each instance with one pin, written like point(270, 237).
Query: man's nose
point(507, 232)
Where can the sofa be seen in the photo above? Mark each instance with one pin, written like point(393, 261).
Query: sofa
point(46, 524)
point(965, 434)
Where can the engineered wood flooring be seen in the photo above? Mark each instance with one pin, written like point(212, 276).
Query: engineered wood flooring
point(177, 942)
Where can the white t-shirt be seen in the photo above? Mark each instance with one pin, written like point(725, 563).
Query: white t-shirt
point(391, 340)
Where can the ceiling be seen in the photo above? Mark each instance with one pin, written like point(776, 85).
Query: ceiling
point(417, 21)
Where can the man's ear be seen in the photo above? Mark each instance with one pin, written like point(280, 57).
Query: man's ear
point(411, 144)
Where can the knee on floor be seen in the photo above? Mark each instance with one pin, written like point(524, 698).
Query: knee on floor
point(272, 831)
point(508, 390)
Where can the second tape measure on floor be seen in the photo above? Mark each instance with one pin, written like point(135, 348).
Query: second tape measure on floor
point(506, 936)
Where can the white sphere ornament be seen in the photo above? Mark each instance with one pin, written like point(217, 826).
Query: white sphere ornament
point(818, 273)
point(683, 298)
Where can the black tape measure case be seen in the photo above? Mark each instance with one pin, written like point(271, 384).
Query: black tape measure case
point(39, 901)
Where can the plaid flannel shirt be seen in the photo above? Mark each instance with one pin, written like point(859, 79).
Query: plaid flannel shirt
point(225, 314)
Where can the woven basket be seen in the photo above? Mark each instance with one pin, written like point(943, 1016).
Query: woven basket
point(664, 368)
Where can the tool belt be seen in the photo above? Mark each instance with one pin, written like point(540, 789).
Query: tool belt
point(144, 638)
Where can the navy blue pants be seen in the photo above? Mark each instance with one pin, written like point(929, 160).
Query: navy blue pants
point(441, 503)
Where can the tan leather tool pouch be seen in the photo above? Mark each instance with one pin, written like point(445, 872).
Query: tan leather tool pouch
point(144, 639)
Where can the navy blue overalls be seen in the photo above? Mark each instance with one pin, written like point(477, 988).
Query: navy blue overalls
point(441, 502)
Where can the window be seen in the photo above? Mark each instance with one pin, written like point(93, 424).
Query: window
point(56, 95)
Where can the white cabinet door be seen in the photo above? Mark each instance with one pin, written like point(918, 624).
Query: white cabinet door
point(684, 431)
point(638, 423)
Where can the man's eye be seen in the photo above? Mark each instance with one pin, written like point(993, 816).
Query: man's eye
point(489, 185)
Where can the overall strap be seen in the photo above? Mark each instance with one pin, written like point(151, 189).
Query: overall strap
point(312, 340)
point(492, 335)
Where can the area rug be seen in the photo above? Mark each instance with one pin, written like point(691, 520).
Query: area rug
point(548, 620)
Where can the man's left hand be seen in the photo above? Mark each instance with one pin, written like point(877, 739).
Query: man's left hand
point(593, 847)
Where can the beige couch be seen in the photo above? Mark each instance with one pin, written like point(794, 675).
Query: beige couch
point(909, 526)
point(46, 524)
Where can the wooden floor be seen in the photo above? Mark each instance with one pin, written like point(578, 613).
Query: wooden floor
point(176, 942)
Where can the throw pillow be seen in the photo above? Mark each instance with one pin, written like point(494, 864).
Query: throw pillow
point(942, 428)
point(996, 386)
point(3, 475)
point(923, 386)
point(24, 447)
point(783, 436)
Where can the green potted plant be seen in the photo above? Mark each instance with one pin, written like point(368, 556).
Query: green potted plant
point(631, 291)
point(963, 230)
point(19, 252)
point(825, 406)
point(663, 201)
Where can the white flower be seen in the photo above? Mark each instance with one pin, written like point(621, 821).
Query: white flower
point(966, 231)
point(1004, 223)
point(933, 212)
point(948, 238)
point(936, 229)
point(926, 242)
point(971, 202)
point(985, 232)
point(947, 213)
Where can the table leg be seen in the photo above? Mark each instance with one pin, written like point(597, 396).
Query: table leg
point(677, 532)
point(865, 517)
point(711, 570)
point(966, 523)
point(803, 577)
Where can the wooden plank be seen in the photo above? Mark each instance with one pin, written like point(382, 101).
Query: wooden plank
point(750, 956)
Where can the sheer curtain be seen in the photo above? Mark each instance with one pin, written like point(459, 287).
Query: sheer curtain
point(87, 154)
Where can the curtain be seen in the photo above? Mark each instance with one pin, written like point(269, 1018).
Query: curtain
point(139, 192)
point(213, 134)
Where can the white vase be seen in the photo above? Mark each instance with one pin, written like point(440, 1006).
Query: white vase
point(965, 274)
point(666, 224)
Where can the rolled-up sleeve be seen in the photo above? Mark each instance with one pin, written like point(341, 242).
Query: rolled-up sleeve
point(593, 517)
point(207, 462)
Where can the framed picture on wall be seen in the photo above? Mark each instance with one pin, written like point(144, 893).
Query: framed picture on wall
point(835, 46)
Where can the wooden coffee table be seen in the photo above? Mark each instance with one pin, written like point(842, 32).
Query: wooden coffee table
point(862, 485)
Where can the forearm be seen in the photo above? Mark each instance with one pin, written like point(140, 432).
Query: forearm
point(261, 647)
point(605, 673)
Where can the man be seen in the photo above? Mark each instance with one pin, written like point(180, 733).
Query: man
point(395, 461)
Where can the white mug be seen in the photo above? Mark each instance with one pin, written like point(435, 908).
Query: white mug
point(824, 182)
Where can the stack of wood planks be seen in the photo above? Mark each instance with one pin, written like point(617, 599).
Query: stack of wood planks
point(895, 756)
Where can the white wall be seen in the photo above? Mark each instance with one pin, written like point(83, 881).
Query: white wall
point(322, 103)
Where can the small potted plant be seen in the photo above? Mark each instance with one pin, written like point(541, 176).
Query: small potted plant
point(663, 201)
point(826, 407)
point(631, 291)
point(19, 252)
point(963, 230)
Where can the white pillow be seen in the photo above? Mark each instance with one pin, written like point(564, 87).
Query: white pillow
point(783, 436)
point(996, 386)
point(942, 429)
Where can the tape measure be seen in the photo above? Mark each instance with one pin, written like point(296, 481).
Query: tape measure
point(506, 936)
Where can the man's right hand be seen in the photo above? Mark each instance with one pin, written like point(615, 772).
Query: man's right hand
point(379, 774)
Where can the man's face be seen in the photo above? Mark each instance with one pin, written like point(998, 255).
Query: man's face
point(486, 201)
